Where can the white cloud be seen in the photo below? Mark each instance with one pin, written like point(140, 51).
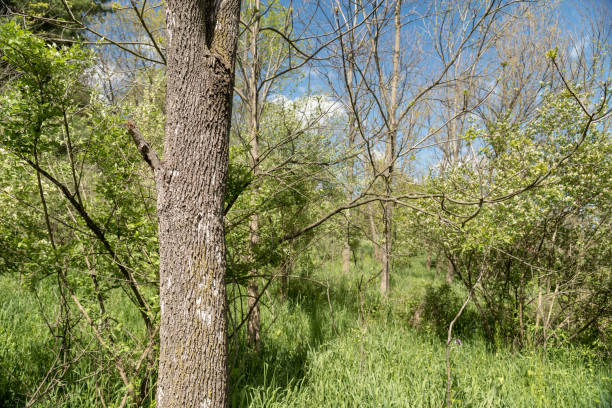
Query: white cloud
point(320, 108)
point(577, 47)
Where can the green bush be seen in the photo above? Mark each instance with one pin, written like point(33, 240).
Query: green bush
point(441, 304)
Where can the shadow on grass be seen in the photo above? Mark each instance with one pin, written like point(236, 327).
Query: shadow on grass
point(303, 325)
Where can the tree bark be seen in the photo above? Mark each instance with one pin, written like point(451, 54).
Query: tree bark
point(349, 78)
point(254, 324)
point(450, 272)
point(190, 194)
point(346, 254)
point(374, 232)
point(346, 250)
point(284, 279)
point(386, 253)
point(392, 132)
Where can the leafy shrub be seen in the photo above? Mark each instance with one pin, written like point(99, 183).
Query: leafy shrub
point(440, 306)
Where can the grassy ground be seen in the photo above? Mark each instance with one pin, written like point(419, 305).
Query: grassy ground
point(370, 356)
point(381, 360)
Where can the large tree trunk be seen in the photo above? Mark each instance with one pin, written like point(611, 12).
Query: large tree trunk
point(191, 188)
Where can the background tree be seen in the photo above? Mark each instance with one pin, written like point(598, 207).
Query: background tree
point(59, 140)
point(48, 18)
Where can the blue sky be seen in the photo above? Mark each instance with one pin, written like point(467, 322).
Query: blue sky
point(573, 13)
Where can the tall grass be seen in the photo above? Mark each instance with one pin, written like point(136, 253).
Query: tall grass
point(384, 361)
point(27, 351)
point(391, 366)
point(371, 356)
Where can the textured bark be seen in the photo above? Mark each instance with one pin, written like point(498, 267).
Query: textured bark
point(190, 194)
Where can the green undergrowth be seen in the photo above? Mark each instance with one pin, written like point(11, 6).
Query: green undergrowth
point(362, 351)
point(376, 355)
point(392, 366)
point(27, 351)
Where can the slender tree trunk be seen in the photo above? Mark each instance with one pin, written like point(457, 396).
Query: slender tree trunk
point(254, 324)
point(392, 132)
point(450, 272)
point(346, 251)
point(386, 253)
point(284, 279)
point(350, 174)
point(374, 232)
point(190, 194)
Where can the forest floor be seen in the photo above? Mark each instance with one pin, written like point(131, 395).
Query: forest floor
point(362, 351)
point(368, 352)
